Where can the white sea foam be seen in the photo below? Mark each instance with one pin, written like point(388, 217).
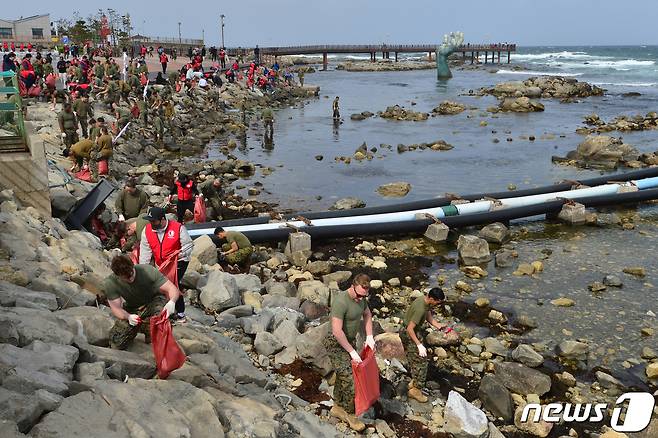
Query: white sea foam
point(620, 65)
point(554, 55)
point(535, 73)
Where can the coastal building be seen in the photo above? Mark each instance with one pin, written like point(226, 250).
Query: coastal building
point(34, 29)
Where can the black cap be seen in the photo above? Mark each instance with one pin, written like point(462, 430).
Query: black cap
point(155, 214)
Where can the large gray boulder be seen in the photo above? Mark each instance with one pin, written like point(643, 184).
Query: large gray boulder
point(260, 322)
point(205, 250)
point(91, 322)
point(68, 294)
point(496, 398)
point(282, 314)
point(305, 424)
point(522, 380)
point(313, 290)
point(248, 283)
point(267, 344)
point(130, 364)
point(573, 350)
point(281, 288)
point(281, 301)
point(23, 409)
point(12, 295)
point(219, 291)
point(311, 350)
point(246, 417)
point(163, 408)
point(495, 233)
point(527, 356)
point(338, 276)
point(21, 326)
point(286, 332)
point(462, 419)
point(473, 250)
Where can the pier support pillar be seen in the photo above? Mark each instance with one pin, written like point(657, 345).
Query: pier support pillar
point(396, 56)
point(499, 57)
point(325, 61)
point(477, 56)
point(486, 54)
point(472, 57)
point(508, 56)
point(430, 56)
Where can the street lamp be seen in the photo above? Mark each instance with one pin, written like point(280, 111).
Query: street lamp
point(222, 17)
point(180, 40)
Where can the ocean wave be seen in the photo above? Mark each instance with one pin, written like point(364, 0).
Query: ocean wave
point(559, 55)
point(620, 65)
point(535, 73)
point(627, 84)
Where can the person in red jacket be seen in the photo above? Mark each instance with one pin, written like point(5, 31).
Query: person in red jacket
point(168, 243)
point(163, 61)
point(186, 191)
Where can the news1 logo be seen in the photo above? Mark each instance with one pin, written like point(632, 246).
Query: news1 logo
point(639, 408)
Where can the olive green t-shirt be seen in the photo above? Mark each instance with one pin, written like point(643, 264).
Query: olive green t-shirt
point(148, 281)
point(350, 312)
point(267, 114)
point(239, 238)
point(416, 312)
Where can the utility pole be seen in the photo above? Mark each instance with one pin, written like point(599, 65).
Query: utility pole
point(180, 40)
point(222, 17)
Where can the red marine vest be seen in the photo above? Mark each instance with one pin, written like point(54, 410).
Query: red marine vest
point(185, 191)
point(170, 242)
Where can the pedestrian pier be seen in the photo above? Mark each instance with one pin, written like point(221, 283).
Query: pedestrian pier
point(492, 52)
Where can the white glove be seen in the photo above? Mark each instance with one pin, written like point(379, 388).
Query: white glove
point(224, 203)
point(422, 351)
point(355, 356)
point(134, 319)
point(170, 308)
point(121, 218)
point(370, 342)
point(63, 135)
point(200, 196)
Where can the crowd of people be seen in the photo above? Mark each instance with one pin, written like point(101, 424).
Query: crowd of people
point(155, 249)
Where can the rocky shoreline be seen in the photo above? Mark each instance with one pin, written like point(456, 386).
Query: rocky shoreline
point(255, 362)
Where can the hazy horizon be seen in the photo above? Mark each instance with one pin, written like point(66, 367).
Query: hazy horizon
point(292, 22)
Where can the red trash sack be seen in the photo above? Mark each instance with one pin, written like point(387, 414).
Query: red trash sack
point(84, 175)
point(366, 381)
point(168, 355)
point(169, 268)
point(199, 210)
point(35, 91)
point(103, 168)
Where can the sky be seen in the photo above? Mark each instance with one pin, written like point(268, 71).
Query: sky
point(298, 22)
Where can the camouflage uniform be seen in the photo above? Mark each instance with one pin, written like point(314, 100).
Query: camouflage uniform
point(238, 257)
point(123, 333)
point(417, 365)
point(342, 364)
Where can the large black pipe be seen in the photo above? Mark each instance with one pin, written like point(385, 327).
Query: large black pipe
point(419, 226)
point(439, 202)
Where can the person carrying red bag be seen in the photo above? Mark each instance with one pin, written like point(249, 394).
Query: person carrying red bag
point(168, 243)
point(135, 294)
point(348, 310)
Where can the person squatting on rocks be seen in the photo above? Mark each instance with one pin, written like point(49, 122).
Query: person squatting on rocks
point(135, 293)
point(185, 189)
point(163, 239)
point(214, 196)
point(131, 202)
point(237, 250)
point(412, 337)
point(348, 310)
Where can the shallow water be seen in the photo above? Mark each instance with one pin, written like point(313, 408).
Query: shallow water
point(475, 164)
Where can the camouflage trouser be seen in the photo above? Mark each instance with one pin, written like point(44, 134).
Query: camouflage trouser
point(83, 127)
point(71, 138)
point(342, 363)
point(214, 209)
point(417, 365)
point(238, 257)
point(123, 333)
